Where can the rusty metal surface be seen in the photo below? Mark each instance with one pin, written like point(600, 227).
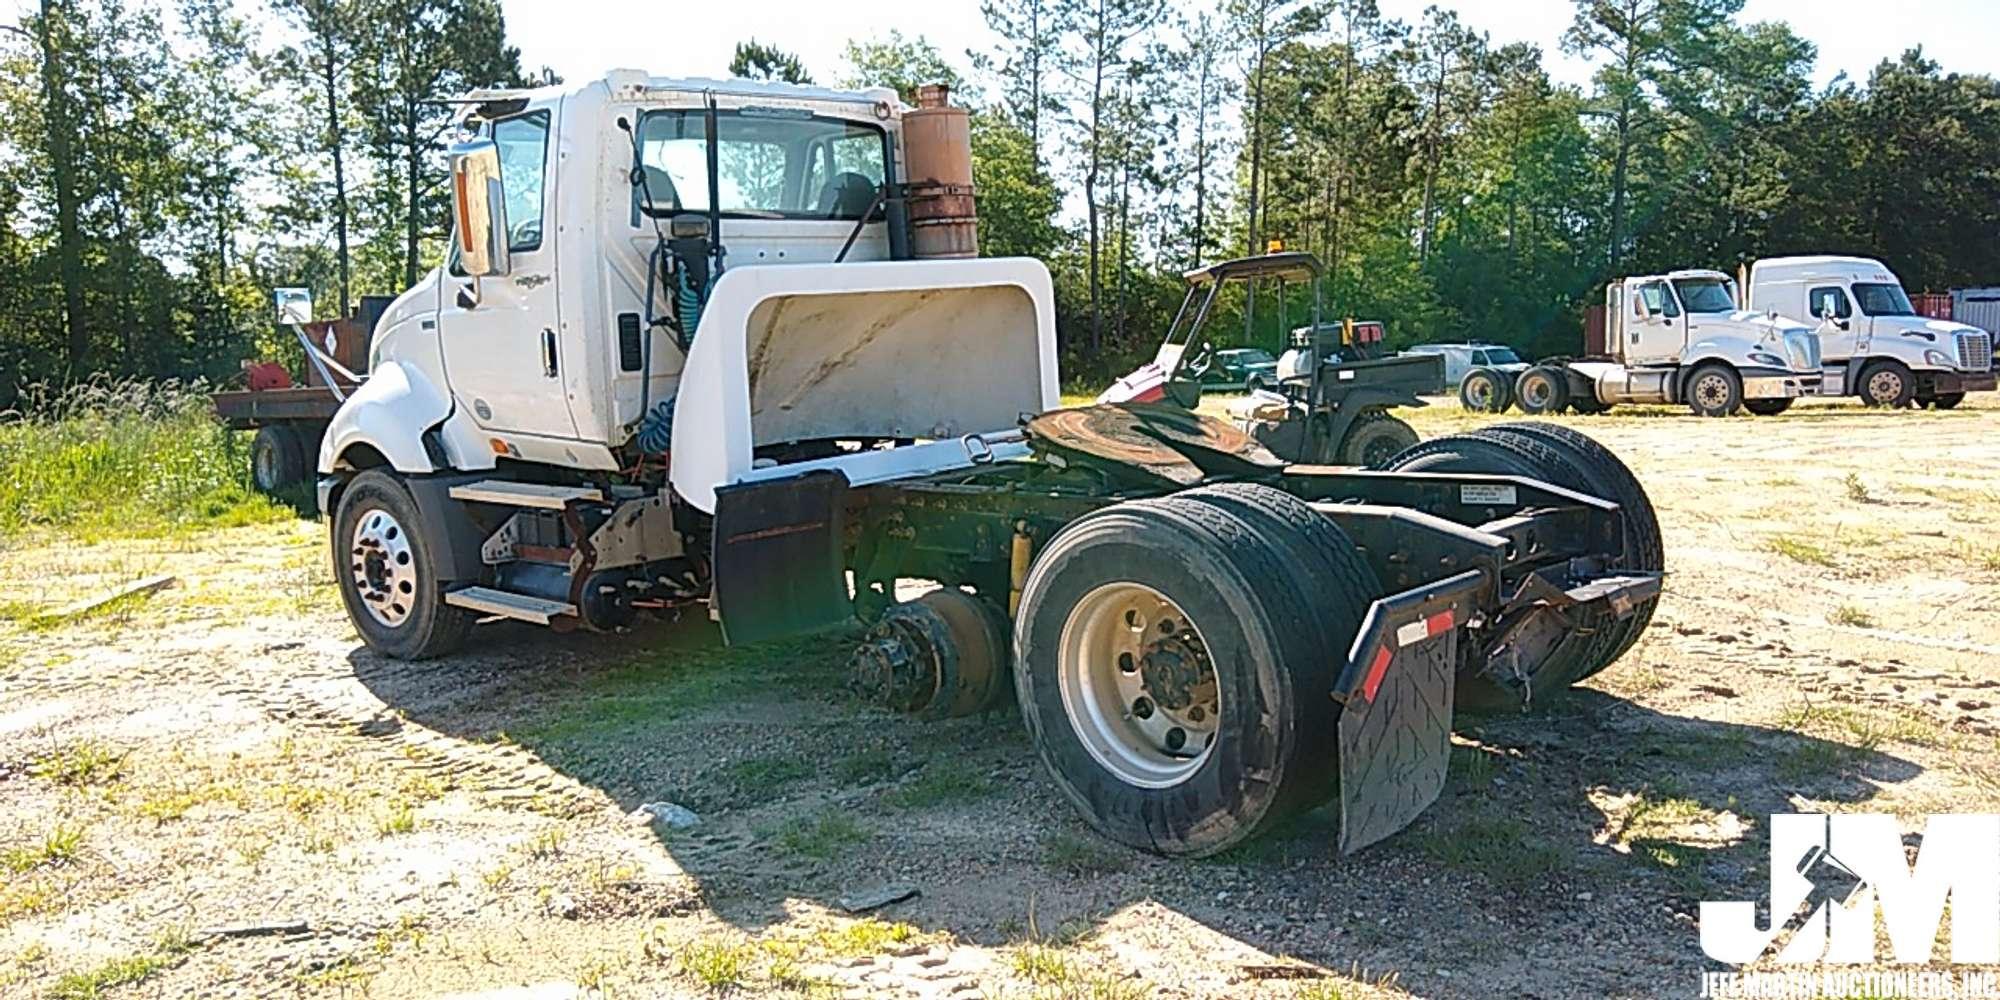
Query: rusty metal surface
point(1164, 443)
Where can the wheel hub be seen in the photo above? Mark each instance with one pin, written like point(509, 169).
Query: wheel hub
point(1138, 685)
point(1480, 392)
point(1536, 392)
point(1885, 387)
point(383, 568)
point(1712, 390)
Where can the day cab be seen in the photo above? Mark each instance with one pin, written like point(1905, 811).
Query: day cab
point(1679, 337)
point(1874, 343)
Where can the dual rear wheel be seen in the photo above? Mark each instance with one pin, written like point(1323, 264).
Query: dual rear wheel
point(1173, 659)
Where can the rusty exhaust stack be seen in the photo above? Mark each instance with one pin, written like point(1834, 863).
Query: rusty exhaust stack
point(937, 141)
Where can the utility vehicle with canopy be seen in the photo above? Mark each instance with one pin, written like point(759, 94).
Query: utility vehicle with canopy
point(1331, 397)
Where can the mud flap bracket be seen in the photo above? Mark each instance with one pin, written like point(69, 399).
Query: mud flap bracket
point(1396, 689)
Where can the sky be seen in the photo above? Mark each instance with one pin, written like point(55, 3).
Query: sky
point(580, 39)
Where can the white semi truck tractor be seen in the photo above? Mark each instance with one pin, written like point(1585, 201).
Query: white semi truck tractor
point(1680, 338)
point(725, 347)
point(1872, 341)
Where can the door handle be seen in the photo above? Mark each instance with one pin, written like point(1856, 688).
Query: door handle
point(549, 353)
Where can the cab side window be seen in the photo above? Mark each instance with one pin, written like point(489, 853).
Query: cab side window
point(1659, 302)
point(523, 143)
point(1828, 301)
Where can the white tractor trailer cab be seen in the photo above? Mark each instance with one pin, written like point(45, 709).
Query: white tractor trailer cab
point(1874, 343)
point(1680, 338)
point(724, 345)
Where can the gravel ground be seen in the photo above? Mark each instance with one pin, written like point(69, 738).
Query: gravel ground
point(216, 791)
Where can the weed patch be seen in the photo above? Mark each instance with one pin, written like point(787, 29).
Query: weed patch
point(942, 784)
point(819, 837)
point(124, 459)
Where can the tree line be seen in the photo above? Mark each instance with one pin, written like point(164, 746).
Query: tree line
point(162, 168)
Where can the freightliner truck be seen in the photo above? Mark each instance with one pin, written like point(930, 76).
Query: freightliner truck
point(720, 344)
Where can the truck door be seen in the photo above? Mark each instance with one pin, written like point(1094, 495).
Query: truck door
point(1655, 328)
point(1833, 311)
point(503, 353)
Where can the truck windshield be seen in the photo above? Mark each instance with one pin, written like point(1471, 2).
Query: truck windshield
point(1882, 300)
point(1706, 295)
point(1502, 356)
point(771, 164)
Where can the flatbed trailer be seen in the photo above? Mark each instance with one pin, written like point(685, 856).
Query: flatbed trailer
point(291, 419)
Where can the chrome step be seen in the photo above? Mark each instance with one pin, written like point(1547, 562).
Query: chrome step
point(520, 607)
point(515, 494)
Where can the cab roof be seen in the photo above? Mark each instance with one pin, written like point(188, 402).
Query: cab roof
point(630, 82)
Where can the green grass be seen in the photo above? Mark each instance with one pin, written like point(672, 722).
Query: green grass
point(718, 963)
point(80, 763)
point(1848, 614)
point(673, 683)
point(867, 936)
point(942, 784)
point(820, 837)
point(123, 459)
point(758, 777)
point(116, 972)
point(1502, 849)
point(1800, 550)
point(1082, 855)
point(865, 767)
point(61, 845)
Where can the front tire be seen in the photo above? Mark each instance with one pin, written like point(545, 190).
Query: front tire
point(1714, 390)
point(1887, 384)
point(387, 571)
point(1172, 663)
point(1767, 407)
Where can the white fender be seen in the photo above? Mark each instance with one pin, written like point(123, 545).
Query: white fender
point(931, 350)
point(389, 412)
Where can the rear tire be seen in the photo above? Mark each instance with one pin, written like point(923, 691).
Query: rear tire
point(1484, 390)
point(1542, 389)
point(387, 572)
point(1948, 400)
point(1887, 384)
point(1561, 457)
point(1376, 439)
point(276, 465)
point(1767, 407)
point(1246, 618)
point(1713, 390)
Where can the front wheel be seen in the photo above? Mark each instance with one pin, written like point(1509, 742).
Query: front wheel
point(1172, 663)
point(1767, 407)
point(1714, 390)
point(387, 571)
point(1887, 384)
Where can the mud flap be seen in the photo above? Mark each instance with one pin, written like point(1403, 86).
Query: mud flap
point(778, 569)
point(1395, 726)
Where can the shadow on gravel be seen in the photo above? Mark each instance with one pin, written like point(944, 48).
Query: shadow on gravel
point(1566, 857)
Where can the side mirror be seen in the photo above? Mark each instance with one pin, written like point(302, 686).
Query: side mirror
point(295, 305)
point(479, 209)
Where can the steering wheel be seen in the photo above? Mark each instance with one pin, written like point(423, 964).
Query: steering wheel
point(527, 233)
